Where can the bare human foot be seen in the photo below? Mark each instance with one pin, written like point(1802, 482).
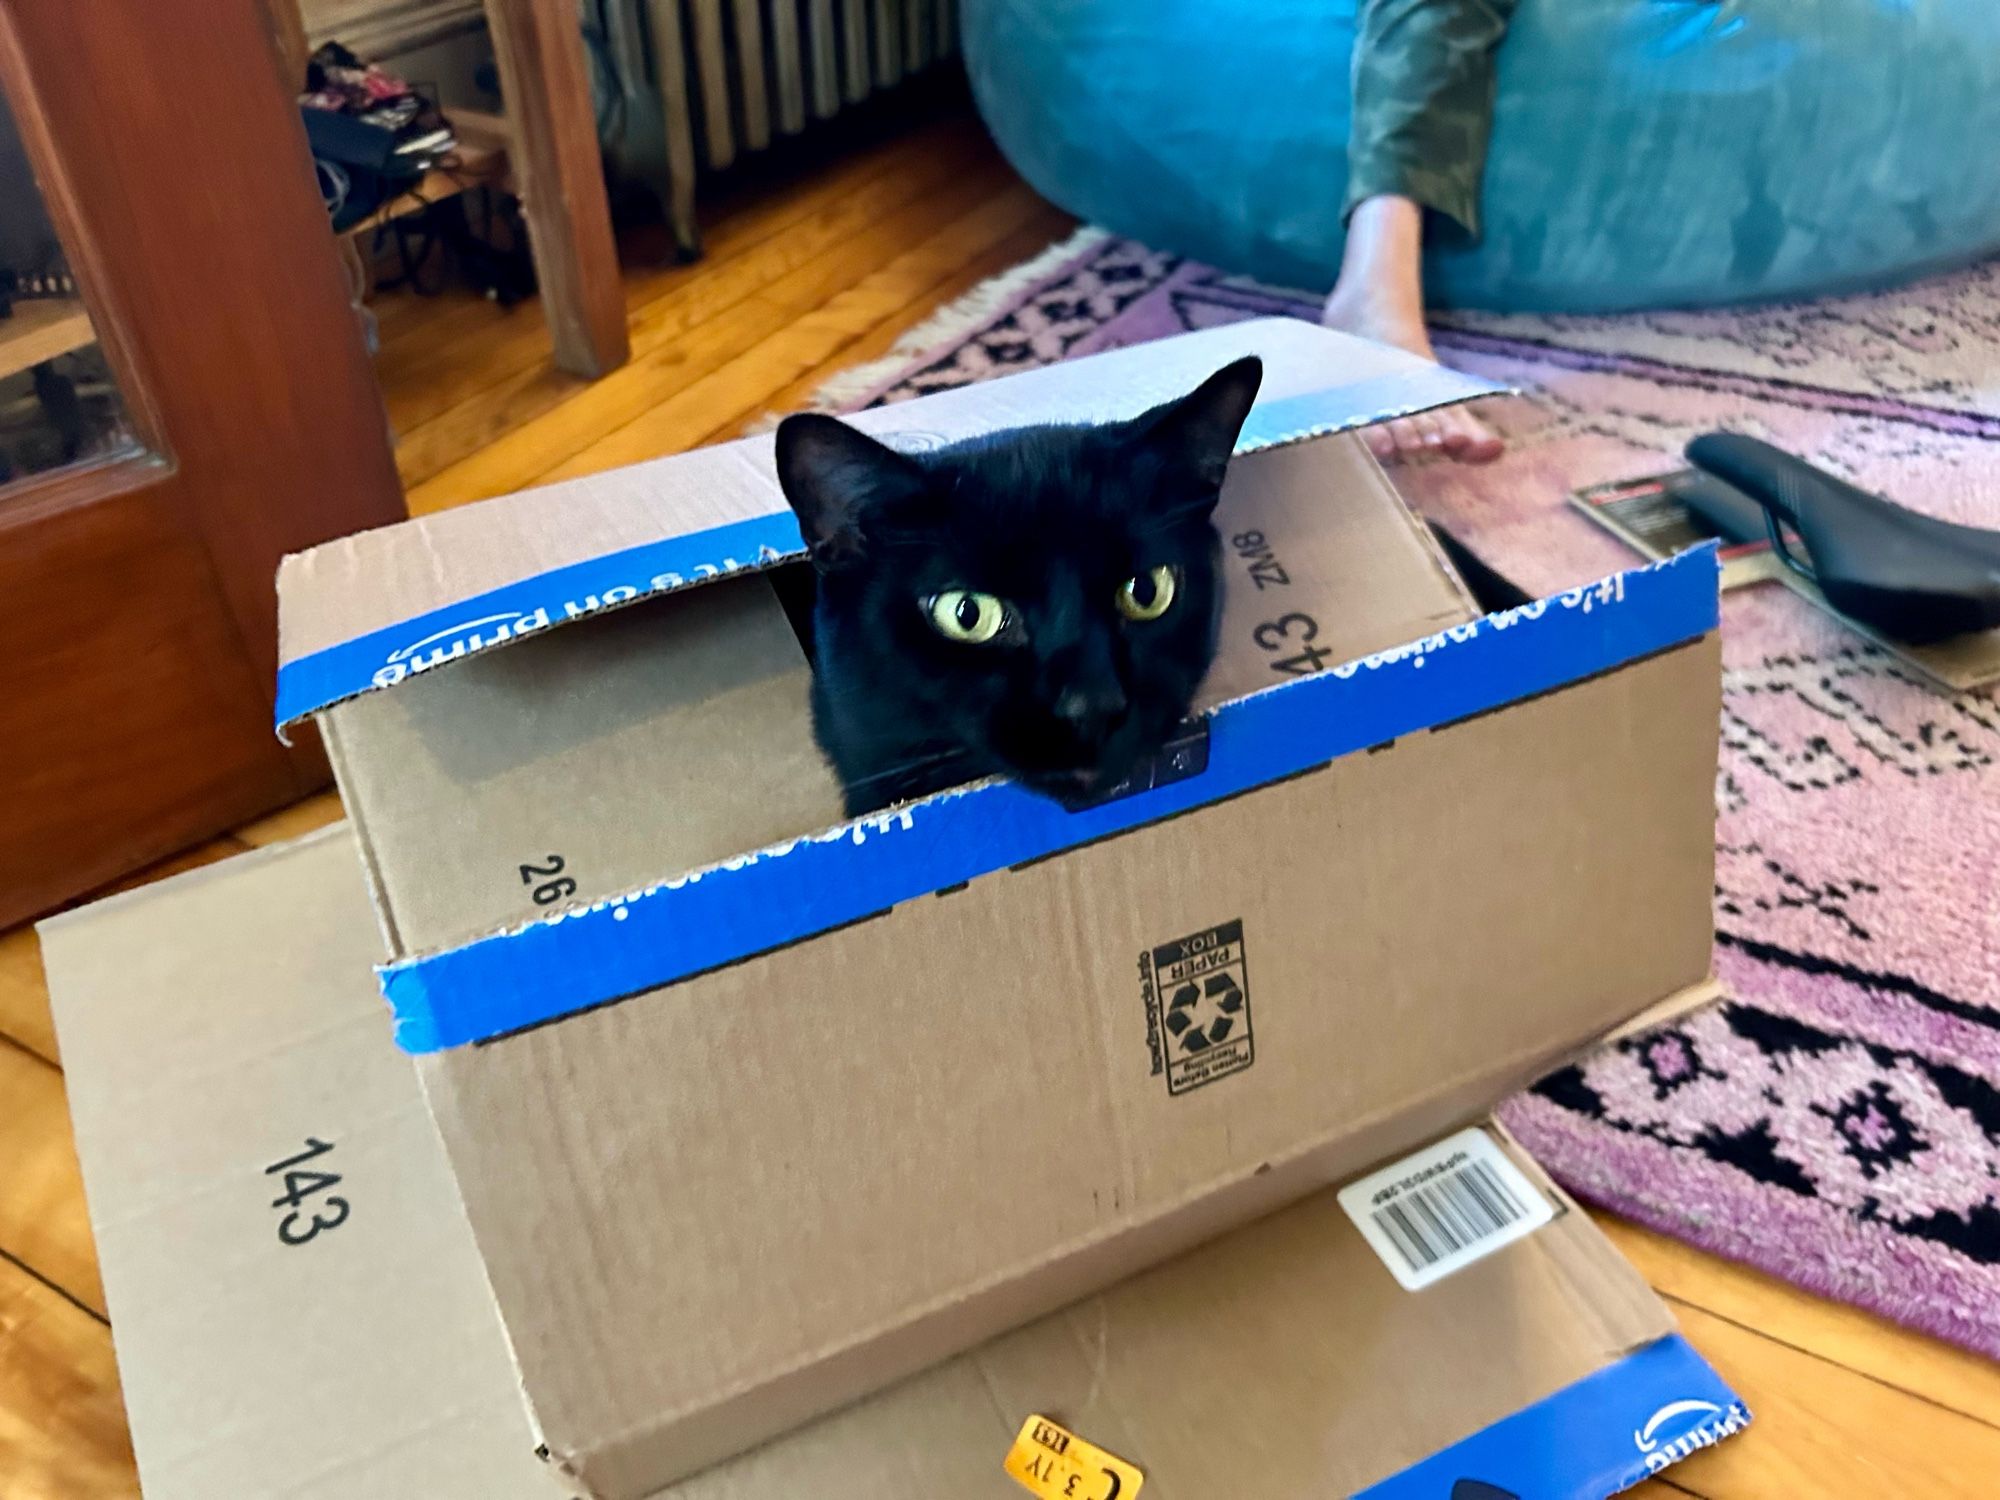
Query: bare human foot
point(1380, 296)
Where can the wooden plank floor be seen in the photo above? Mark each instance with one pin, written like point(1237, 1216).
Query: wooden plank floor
point(802, 279)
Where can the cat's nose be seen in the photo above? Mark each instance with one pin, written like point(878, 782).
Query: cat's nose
point(1092, 713)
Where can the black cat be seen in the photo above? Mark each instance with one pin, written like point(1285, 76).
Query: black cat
point(1040, 602)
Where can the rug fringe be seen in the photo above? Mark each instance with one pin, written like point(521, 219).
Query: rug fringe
point(956, 320)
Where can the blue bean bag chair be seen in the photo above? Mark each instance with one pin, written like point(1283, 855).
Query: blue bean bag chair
point(1645, 153)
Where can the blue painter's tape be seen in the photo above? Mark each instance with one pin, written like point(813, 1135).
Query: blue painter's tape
point(1596, 1438)
point(760, 901)
point(385, 657)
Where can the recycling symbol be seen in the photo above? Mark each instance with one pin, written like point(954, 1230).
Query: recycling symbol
point(1202, 1014)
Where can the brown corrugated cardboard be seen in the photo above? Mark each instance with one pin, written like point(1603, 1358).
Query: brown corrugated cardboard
point(668, 735)
point(1646, 515)
point(677, 731)
point(374, 579)
point(1415, 951)
point(715, 1209)
point(215, 1023)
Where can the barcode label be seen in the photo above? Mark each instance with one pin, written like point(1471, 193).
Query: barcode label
point(1444, 1207)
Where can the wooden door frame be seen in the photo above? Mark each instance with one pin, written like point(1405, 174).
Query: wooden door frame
point(555, 163)
point(240, 363)
point(140, 241)
point(553, 149)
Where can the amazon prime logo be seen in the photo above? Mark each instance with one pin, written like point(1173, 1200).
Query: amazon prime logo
point(461, 638)
point(1683, 1427)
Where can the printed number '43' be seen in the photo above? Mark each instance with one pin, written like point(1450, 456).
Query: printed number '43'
point(1293, 629)
point(306, 1219)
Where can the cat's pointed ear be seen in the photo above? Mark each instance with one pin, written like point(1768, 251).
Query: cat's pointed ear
point(1198, 432)
point(833, 477)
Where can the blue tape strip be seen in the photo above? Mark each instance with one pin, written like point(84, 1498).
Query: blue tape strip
point(618, 947)
point(1602, 1435)
point(385, 657)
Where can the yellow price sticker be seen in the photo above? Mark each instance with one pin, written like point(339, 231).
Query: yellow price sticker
point(1052, 1462)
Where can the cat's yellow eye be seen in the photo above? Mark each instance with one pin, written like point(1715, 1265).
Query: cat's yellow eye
point(970, 618)
point(1148, 596)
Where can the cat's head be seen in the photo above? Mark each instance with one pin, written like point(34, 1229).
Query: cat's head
point(1043, 599)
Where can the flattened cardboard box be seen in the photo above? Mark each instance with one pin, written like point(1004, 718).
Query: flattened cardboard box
point(221, 1023)
point(788, 1167)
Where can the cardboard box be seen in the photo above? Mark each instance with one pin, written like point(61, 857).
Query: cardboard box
point(1651, 516)
point(871, 1093)
point(221, 1023)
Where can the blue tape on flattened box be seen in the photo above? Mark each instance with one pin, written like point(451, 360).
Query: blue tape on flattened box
point(1603, 1435)
point(863, 1093)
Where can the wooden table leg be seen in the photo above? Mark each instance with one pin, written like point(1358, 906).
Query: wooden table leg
point(546, 89)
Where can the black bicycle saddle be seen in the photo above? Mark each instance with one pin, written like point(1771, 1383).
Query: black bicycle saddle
point(1918, 579)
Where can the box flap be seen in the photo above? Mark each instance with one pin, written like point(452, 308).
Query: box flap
point(367, 1361)
point(692, 922)
point(664, 738)
point(374, 609)
point(660, 738)
point(212, 1026)
point(936, 1124)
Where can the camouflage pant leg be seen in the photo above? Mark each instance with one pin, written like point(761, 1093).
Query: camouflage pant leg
point(1423, 102)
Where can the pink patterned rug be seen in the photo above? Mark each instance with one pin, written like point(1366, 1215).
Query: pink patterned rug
point(1837, 1123)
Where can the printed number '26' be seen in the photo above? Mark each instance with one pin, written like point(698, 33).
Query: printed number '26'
point(1293, 629)
point(559, 888)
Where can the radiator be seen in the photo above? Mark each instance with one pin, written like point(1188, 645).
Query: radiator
point(689, 85)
